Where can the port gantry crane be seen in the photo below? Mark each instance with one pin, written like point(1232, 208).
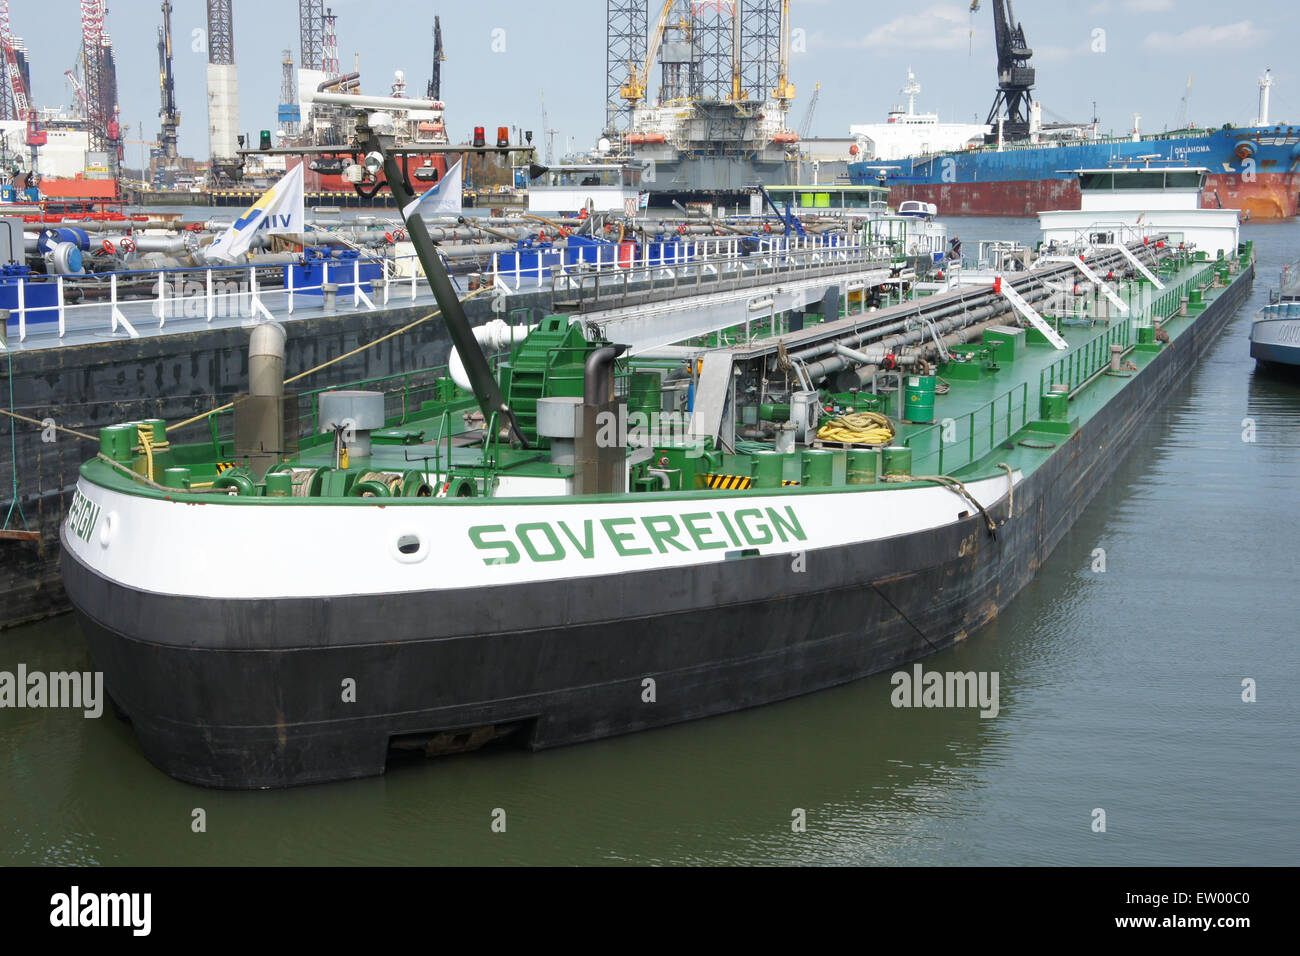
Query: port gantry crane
point(434, 90)
point(1015, 76)
point(167, 113)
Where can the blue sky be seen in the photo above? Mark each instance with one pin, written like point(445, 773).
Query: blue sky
point(1128, 55)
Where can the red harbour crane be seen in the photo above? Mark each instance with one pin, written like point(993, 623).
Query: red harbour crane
point(36, 136)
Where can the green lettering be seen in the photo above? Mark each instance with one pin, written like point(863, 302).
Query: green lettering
point(618, 537)
point(782, 525)
point(87, 515)
point(668, 535)
point(587, 546)
point(523, 532)
point(511, 552)
point(751, 534)
point(726, 524)
point(697, 535)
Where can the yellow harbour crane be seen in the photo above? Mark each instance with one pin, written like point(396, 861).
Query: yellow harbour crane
point(634, 91)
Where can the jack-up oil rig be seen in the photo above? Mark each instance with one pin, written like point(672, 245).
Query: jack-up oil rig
point(716, 126)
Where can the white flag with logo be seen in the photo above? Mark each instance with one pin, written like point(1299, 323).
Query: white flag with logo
point(278, 211)
point(442, 199)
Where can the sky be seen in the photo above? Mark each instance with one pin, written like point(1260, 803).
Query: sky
point(505, 56)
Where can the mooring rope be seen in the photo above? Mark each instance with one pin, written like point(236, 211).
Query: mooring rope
point(13, 455)
point(957, 488)
point(1011, 490)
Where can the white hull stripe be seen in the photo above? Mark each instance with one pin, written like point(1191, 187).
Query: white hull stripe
point(232, 551)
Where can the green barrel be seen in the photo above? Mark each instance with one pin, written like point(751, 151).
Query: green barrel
point(862, 467)
point(919, 399)
point(769, 469)
point(116, 441)
point(279, 484)
point(817, 467)
point(897, 461)
point(645, 393)
point(176, 478)
point(1195, 298)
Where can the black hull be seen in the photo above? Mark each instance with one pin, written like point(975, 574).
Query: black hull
point(248, 693)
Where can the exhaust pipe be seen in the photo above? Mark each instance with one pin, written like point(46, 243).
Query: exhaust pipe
point(259, 416)
point(599, 465)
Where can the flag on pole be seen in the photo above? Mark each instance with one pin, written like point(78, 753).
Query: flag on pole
point(278, 211)
point(442, 199)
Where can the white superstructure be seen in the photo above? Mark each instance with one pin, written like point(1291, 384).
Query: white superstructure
point(598, 187)
point(909, 133)
point(1126, 203)
point(62, 156)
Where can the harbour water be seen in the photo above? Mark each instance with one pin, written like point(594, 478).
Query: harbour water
point(1120, 690)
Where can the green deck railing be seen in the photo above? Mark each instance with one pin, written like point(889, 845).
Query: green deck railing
point(1170, 301)
point(401, 402)
point(1078, 365)
point(959, 442)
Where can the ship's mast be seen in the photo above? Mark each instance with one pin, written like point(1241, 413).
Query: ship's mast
point(910, 90)
point(1265, 84)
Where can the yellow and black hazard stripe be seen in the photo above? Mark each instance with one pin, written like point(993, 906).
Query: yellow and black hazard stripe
point(787, 483)
point(728, 482)
point(224, 466)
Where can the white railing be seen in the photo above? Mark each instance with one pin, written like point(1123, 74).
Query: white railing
point(206, 292)
point(709, 275)
point(704, 253)
point(211, 293)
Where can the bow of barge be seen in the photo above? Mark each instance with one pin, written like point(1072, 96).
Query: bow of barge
point(618, 541)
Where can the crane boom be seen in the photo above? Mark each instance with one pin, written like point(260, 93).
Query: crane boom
point(77, 87)
point(635, 89)
point(36, 137)
point(12, 69)
point(1180, 121)
point(784, 91)
point(806, 126)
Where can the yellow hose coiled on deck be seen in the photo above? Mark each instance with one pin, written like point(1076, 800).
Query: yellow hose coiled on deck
point(858, 428)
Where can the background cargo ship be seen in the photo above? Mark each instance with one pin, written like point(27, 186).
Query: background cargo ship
point(1023, 167)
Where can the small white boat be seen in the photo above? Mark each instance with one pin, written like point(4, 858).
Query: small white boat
point(1275, 334)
